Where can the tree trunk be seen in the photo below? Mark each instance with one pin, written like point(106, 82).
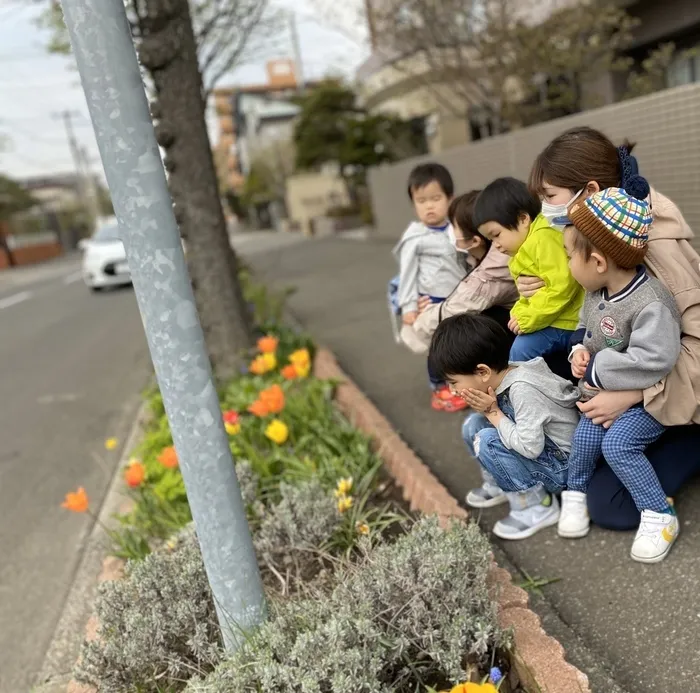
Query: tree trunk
point(167, 50)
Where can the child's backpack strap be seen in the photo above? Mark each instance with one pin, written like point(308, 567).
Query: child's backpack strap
point(394, 308)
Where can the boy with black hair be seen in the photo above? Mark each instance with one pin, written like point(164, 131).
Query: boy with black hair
point(509, 215)
point(526, 417)
point(428, 262)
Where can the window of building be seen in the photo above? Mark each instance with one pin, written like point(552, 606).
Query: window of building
point(685, 69)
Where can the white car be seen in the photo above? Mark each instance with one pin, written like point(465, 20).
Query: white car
point(104, 258)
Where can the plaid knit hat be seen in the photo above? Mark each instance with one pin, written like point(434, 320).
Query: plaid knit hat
point(616, 223)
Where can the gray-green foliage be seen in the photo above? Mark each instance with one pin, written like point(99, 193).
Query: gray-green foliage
point(404, 613)
point(291, 532)
point(157, 627)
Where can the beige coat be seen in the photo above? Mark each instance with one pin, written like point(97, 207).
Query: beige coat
point(488, 284)
point(672, 260)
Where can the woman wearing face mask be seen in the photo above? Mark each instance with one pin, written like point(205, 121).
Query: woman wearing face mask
point(576, 164)
point(487, 287)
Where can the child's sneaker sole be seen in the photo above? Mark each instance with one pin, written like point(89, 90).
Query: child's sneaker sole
point(475, 501)
point(548, 521)
point(578, 534)
point(654, 559)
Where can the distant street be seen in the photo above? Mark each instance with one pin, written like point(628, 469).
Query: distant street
point(72, 366)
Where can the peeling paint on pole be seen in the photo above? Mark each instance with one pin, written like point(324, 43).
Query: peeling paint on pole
point(111, 79)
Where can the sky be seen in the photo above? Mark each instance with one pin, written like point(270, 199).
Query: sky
point(35, 87)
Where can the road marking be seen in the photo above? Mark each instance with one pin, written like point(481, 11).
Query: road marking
point(73, 277)
point(15, 299)
point(54, 399)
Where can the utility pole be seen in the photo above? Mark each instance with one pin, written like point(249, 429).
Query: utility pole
point(296, 48)
point(90, 186)
point(83, 191)
point(109, 72)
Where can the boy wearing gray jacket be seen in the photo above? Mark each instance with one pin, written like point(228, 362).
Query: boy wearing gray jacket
point(525, 417)
point(428, 264)
point(628, 338)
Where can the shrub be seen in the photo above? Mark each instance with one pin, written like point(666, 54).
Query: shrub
point(292, 532)
point(406, 613)
point(157, 626)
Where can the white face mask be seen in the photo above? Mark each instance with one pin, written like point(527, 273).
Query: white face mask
point(453, 240)
point(557, 215)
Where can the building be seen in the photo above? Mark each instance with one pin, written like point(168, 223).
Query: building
point(390, 82)
point(250, 116)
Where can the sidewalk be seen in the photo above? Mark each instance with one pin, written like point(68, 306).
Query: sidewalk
point(641, 622)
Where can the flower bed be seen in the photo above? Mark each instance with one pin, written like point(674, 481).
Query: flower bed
point(384, 602)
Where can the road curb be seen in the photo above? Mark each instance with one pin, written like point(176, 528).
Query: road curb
point(539, 659)
point(93, 569)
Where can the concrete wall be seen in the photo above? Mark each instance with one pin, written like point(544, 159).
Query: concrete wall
point(666, 127)
point(311, 195)
point(31, 249)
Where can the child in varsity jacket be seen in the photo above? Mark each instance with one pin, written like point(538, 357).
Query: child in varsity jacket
point(628, 338)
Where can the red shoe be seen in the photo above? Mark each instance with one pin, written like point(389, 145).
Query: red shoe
point(440, 397)
point(444, 400)
point(455, 403)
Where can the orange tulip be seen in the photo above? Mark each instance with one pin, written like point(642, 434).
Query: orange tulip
point(168, 458)
point(273, 399)
point(135, 474)
point(76, 502)
point(259, 408)
point(268, 344)
point(289, 372)
point(258, 366)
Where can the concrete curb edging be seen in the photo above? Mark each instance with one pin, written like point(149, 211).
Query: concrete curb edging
point(539, 659)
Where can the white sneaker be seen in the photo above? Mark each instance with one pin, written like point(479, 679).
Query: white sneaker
point(521, 524)
point(656, 534)
point(486, 496)
point(573, 521)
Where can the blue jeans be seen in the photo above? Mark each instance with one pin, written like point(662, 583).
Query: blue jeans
point(509, 470)
point(675, 460)
point(623, 446)
point(541, 343)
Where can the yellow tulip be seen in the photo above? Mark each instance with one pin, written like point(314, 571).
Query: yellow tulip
point(277, 431)
point(344, 504)
point(269, 360)
point(232, 428)
point(344, 487)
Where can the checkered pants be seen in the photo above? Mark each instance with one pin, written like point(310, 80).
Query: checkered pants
point(622, 446)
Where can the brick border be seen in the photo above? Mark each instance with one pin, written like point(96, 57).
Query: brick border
point(539, 660)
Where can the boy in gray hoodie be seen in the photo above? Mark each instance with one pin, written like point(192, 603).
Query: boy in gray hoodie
point(524, 420)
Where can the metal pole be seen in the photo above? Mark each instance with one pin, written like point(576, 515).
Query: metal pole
point(110, 76)
point(296, 48)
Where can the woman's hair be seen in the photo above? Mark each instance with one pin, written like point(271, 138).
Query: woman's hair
point(575, 158)
point(504, 201)
point(461, 214)
point(462, 342)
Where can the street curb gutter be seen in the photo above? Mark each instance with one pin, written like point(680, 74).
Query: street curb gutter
point(539, 659)
point(94, 568)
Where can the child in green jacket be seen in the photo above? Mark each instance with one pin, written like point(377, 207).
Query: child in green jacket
point(509, 215)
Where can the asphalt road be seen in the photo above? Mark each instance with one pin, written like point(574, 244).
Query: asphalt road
point(72, 366)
